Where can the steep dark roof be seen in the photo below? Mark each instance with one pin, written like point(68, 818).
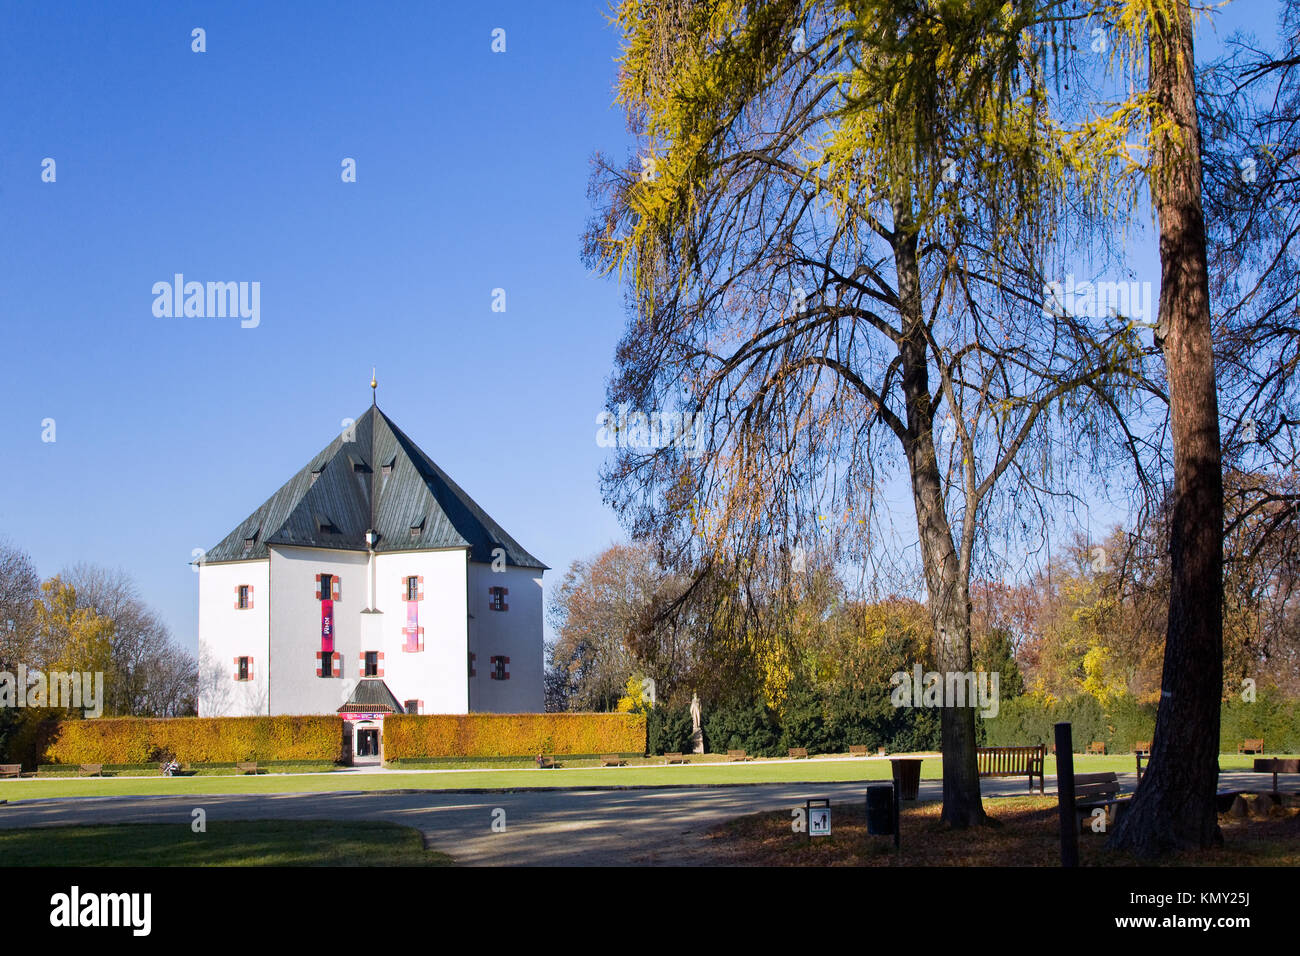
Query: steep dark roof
point(372, 696)
point(381, 480)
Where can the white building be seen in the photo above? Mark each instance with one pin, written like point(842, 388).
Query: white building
point(369, 583)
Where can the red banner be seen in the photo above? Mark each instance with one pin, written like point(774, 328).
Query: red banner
point(327, 626)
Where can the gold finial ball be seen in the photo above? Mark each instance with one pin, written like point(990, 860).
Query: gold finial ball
point(373, 383)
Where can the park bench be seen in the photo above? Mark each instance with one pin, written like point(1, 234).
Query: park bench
point(91, 770)
point(675, 758)
point(1093, 791)
point(246, 766)
point(612, 760)
point(1012, 762)
point(546, 763)
point(858, 750)
point(738, 755)
point(1141, 749)
point(799, 753)
point(1251, 747)
point(1097, 747)
point(11, 770)
point(1277, 765)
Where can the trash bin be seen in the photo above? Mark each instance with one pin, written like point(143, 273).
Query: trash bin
point(880, 809)
point(907, 774)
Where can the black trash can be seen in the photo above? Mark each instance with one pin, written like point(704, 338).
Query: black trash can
point(880, 810)
point(907, 774)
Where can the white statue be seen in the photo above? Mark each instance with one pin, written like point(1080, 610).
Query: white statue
point(697, 736)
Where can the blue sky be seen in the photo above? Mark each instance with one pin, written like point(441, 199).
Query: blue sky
point(225, 166)
point(471, 176)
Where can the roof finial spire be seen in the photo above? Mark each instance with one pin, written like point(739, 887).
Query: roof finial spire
point(374, 386)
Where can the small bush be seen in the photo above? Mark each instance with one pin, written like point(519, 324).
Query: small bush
point(669, 730)
point(804, 722)
point(751, 727)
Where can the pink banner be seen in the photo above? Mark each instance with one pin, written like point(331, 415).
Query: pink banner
point(412, 628)
point(327, 626)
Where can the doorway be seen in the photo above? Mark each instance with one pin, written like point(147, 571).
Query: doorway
point(368, 743)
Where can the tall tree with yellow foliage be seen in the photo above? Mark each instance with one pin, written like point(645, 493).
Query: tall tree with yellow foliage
point(70, 637)
point(835, 240)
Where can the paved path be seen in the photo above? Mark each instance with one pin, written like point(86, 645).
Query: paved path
point(577, 827)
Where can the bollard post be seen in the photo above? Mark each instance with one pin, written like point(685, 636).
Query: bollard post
point(1065, 796)
point(898, 810)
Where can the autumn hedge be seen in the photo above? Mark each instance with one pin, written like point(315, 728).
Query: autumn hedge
point(138, 740)
point(410, 737)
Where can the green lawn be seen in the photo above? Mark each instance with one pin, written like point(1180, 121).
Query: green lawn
point(812, 771)
point(226, 843)
point(759, 771)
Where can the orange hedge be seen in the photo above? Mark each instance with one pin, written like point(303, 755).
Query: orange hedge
point(410, 736)
point(136, 740)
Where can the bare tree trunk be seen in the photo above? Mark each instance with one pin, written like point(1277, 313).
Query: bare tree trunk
point(1174, 808)
point(949, 600)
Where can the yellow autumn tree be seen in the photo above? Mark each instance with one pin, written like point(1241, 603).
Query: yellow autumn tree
point(68, 637)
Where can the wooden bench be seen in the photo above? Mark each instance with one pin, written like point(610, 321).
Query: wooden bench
point(1093, 791)
point(1251, 747)
point(11, 770)
point(246, 766)
point(612, 760)
point(1097, 747)
point(1141, 749)
point(1012, 762)
point(738, 755)
point(1277, 765)
point(799, 753)
point(546, 763)
point(675, 758)
point(91, 770)
point(858, 750)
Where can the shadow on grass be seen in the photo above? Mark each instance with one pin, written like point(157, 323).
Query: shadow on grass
point(1025, 833)
point(226, 843)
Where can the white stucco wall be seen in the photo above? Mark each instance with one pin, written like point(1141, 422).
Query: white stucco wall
point(282, 633)
point(515, 633)
point(226, 633)
point(438, 675)
point(296, 627)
